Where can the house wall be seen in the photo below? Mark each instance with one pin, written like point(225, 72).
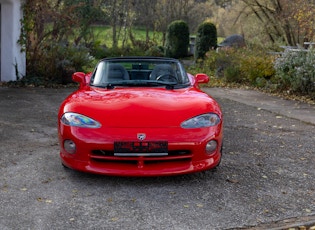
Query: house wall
point(13, 61)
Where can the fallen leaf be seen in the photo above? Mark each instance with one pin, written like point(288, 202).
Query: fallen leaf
point(233, 181)
point(302, 228)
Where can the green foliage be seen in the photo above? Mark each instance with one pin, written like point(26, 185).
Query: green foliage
point(103, 52)
point(59, 46)
point(156, 51)
point(295, 71)
point(177, 39)
point(253, 67)
point(206, 39)
point(58, 61)
point(232, 74)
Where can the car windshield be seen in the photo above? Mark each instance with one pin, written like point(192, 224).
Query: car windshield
point(147, 72)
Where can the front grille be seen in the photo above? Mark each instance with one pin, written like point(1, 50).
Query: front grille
point(105, 153)
point(109, 156)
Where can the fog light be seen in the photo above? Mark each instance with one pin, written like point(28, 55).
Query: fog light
point(69, 146)
point(211, 146)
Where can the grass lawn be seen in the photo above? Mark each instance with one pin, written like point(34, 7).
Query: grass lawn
point(104, 35)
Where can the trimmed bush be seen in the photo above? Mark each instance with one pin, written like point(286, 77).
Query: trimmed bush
point(206, 39)
point(177, 39)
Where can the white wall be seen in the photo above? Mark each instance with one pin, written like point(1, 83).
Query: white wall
point(11, 56)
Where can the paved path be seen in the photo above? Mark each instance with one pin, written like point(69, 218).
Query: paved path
point(265, 181)
point(291, 109)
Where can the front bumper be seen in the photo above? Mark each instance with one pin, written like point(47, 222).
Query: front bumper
point(95, 151)
point(140, 168)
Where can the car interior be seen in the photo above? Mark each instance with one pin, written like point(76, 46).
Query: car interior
point(117, 72)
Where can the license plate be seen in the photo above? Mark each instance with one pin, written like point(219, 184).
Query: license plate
point(152, 148)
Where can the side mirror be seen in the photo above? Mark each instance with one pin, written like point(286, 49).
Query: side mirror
point(202, 78)
point(79, 77)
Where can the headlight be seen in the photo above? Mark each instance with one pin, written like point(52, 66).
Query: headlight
point(201, 121)
point(75, 119)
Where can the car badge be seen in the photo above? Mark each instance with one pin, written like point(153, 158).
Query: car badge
point(141, 136)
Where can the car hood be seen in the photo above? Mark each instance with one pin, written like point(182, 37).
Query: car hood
point(140, 107)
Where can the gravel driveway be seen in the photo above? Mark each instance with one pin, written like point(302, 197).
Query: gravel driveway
point(266, 177)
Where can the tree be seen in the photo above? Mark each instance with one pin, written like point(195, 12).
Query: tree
point(292, 21)
point(304, 15)
point(115, 10)
point(84, 13)
point(168, 11)
point(47, 29)
point(199, 13)
point(145, 17)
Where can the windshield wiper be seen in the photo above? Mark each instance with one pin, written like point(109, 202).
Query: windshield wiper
point(111, 85)
point(168, 84)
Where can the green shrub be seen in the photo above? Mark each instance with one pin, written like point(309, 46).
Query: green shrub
point(256, 66)
point(295, 71)
point(232, 74)
point(177, 39)
point(206, 39)
point(56, 62)
point(251, 66)
point(156, 51)
point(98, 50)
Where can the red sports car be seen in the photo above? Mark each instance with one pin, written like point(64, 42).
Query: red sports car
point(140, 116)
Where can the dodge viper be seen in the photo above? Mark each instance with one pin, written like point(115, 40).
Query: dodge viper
point(140, 116)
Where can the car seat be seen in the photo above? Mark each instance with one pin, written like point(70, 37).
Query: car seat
point(117, 72)
point(161, 69)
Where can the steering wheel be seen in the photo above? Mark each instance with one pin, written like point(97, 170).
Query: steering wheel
point(167, 77)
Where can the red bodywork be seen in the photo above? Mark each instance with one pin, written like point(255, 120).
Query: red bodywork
point(127, 112)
